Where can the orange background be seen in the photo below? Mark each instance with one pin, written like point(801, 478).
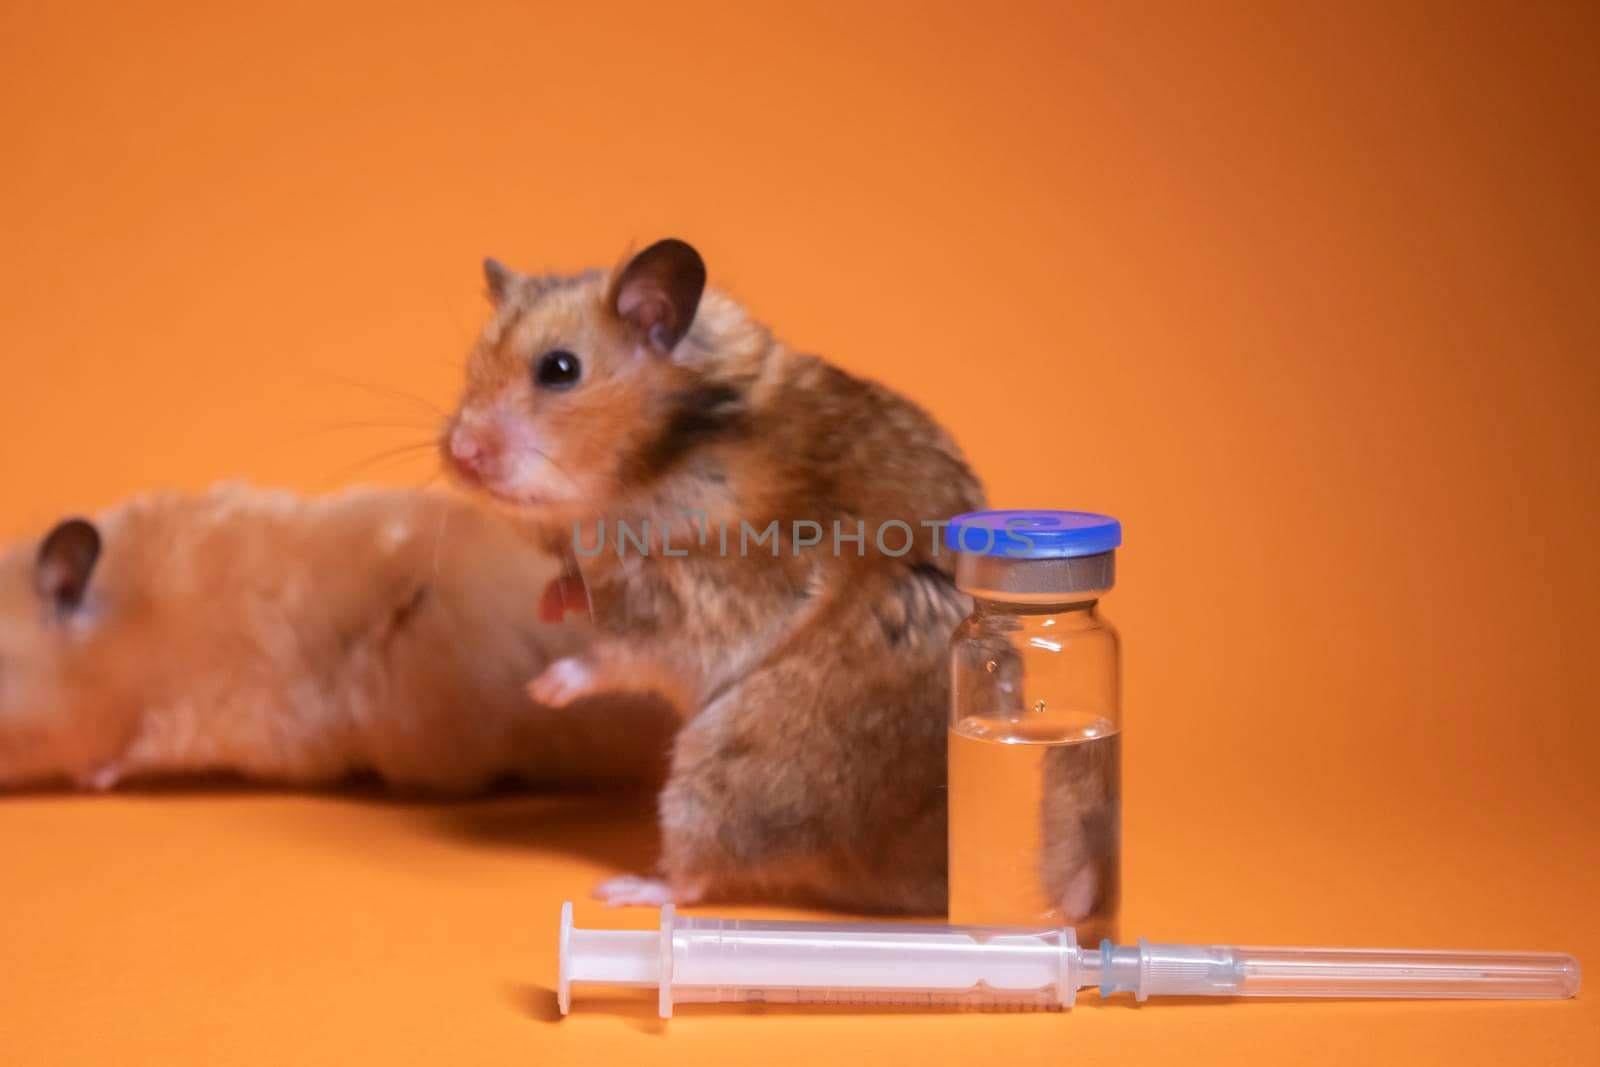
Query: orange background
point(1304, 294)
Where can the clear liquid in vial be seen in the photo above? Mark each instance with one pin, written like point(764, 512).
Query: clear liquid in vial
point(1036, 823)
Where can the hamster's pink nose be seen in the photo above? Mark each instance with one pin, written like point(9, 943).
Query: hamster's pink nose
point(471, 450)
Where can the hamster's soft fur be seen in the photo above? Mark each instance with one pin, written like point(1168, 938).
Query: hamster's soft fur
point(814, 684)
point(297, 641)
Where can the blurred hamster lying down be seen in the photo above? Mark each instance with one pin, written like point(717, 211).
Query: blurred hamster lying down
point(298, 641)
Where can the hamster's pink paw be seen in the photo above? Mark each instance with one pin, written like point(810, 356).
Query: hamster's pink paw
point(562, 682)
point(101, 779)
point(1078, 901)
point(631, 889)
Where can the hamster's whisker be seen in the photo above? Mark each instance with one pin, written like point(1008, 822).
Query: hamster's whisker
point(548, 458)
point(438, 536)
point(389, 455)
point(392, 393)
point(333, 427)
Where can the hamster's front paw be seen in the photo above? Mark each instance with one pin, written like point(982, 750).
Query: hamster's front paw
point(562, 682)
point(101, 779)
point(1081, 894)
point(630, 889)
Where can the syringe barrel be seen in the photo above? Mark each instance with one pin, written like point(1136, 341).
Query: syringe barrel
point(1252, 971)
point(723, 960)
point(738, 960)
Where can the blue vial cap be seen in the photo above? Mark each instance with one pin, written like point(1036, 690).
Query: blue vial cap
point(1033, 534)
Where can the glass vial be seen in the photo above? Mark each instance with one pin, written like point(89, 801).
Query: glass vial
point(1035, 724)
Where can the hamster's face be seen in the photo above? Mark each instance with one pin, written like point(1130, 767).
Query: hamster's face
point(50, 716)
point(572, 381)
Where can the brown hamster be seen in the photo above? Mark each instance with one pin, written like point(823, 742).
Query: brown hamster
point(295, 641)
point(813, 676)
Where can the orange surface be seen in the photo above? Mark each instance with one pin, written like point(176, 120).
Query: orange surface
point(1303, 294)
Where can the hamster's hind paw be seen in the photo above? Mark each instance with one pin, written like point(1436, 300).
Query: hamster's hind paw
point(563, 682)
point(630, 889)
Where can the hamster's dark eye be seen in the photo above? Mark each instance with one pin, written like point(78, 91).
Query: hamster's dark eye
point(557, 370)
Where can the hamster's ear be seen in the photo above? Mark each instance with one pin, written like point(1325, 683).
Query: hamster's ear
point(66, 562)
point(657, 293)
point(501, 279)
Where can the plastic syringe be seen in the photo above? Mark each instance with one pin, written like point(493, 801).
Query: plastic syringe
point(722, 960)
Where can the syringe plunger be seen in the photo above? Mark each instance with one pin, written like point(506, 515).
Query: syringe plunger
point(712, 960)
